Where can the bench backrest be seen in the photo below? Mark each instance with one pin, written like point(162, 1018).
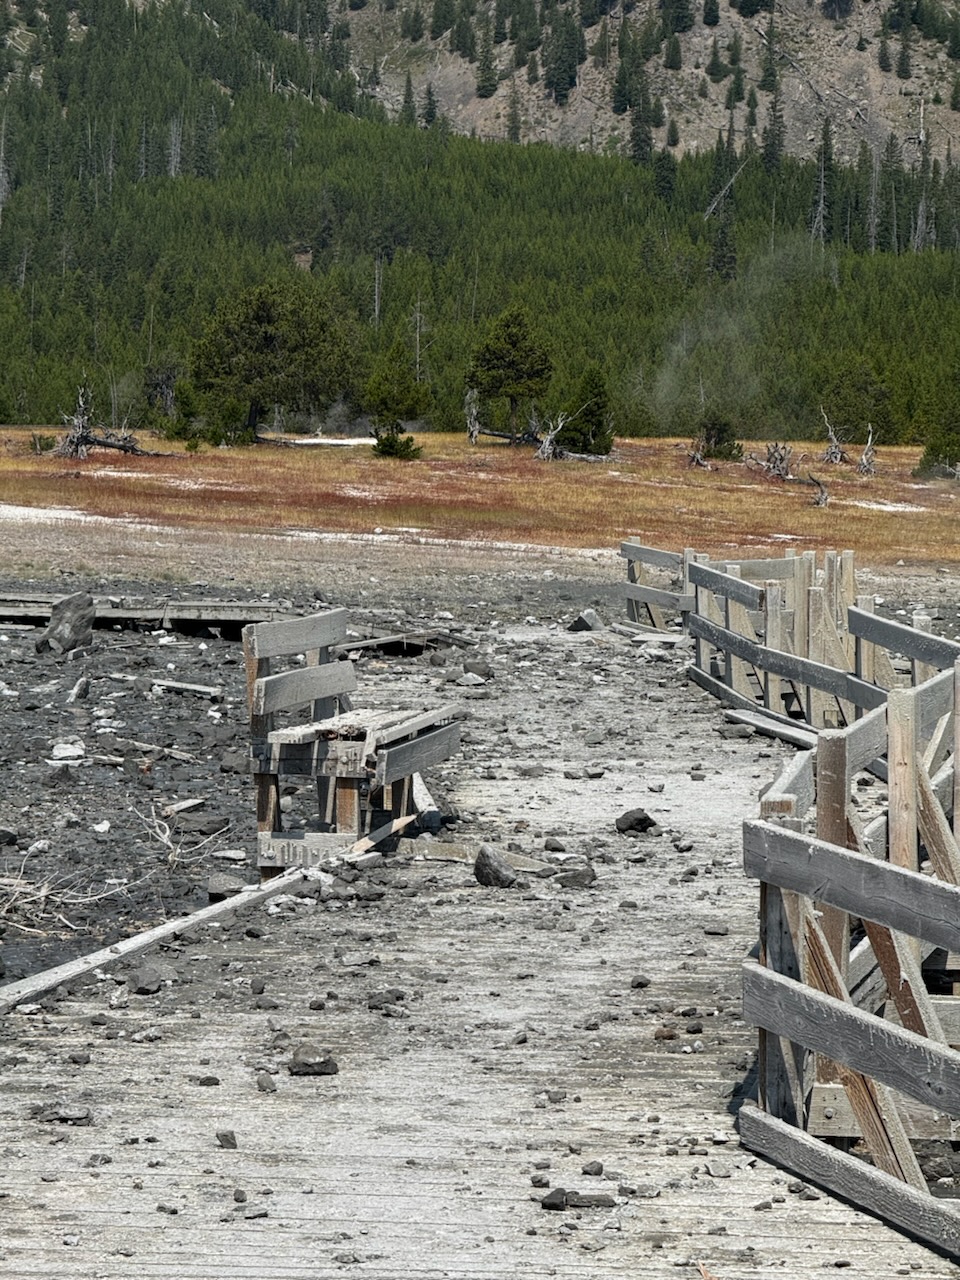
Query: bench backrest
point(322, 684)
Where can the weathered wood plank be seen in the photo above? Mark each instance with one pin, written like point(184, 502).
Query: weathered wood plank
point(419, 754)
point(653, 595)
point(839, 683)
point(797, 781)
point(15, 993)
point(796, 734)
point(935, 1221)
point(302, 686)
point(831, 1116)
point(726, 584)
point(904, 900)
point(902, 639)
point(296, 635)
point(861, 1041)
point(651, 555)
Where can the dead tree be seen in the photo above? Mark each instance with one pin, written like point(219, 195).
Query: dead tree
point(82, 435)
point(821, 497)
point(834, 452)
point(696, 454)
point(867, 466)
point(471, 407)
point(777, 463)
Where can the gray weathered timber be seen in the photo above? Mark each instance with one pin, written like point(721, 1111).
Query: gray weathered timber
point(831, 1116)
point(861, 885)
point(296, 635)
point(919, 646)
point(866, 740)
point(653, 595)
point(759, 570)
point(15, 993)
point(935, 1221)
point(304, 685)
point(652, 556)
point(901, 1059)
point(724, 693)
point(796, 734)
point(418, 754)
point(794, 783)
point(725, 584)
point(839, 683)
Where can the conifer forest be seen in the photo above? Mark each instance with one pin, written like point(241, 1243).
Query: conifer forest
point(187, 188)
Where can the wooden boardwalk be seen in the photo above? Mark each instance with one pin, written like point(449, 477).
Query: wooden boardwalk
point(521, 1050)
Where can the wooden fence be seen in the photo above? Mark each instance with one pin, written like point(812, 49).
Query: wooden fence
point(856, 988)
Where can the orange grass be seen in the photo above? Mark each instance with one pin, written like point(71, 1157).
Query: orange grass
point(492, 492)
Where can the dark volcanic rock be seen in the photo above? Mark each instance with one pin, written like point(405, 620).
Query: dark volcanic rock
point(309, 1060)
point(634, 821)
point(71, 624)
point(493, 869)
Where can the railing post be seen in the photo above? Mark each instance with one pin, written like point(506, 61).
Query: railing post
point(773, 639)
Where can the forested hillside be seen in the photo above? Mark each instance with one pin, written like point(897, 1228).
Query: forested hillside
point(157, 162)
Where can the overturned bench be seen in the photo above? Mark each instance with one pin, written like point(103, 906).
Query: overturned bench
point(364, 762)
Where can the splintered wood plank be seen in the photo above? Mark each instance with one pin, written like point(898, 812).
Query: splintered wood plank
point(420, 753)
point(938, 838)
point(296, 635)
point(935, 1221)
point(873, 1106)
point(302, 687)
point(863, 886)
point(861, 1041)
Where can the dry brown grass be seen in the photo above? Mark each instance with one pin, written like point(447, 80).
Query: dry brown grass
point(495, 493)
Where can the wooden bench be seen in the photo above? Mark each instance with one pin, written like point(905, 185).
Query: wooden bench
point(363, 761)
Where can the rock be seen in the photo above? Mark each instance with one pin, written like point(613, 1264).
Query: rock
point(492, 869)
point(70, 626)
point(555, 1199)
point(553, 845)
point(309, 1060)
point(222, 885)
point(227, 1139)
point(639, 980)
point(479, 667)
point(145, 981)
point(634, 822)
point(590, 1200)
point(266, 1082)
point(586, 621)
point(593, 1169)
point(382, 999)
point(577, 877)
point(7, 836)
point(716, 930)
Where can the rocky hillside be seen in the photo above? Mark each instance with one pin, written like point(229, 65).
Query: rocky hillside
point(825, 68)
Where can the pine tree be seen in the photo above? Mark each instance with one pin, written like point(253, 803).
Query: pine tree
point(716, 68)
point(641, 138)
point(673, 59)
point(955, 94)
point(500, 22)
point(514, 120)
point(621, 89)
point(511, 363)
point(430, 110)
point(904, 71)
point(768, 64)
point(408, 109)
point(589, 428)
point(774, 135)
point(487, 79)
point(752, 108)
point(953, 39)
point(711, 13)
point(533, 69)
point(443, 17)
point(657, 115)
point(463, 40)
point(664, 175)
point(884, 61)
point(723, 252)
point(673, 133)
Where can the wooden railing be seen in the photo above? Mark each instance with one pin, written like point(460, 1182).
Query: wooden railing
point(859, 902)
point(853, 1047)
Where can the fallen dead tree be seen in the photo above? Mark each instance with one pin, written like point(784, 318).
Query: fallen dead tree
point(83, 435)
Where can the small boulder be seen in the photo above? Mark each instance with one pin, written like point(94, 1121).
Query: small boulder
point(586, 621)
point(634, 822)
point(70, 626)
point(310, 1060)
point(492, 869)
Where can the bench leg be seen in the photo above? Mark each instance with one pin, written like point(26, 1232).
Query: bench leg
point(348, 806)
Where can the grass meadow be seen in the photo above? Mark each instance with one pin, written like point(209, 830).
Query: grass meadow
point(493, 492)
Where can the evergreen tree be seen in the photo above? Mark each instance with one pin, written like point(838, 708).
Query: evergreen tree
point(955, 94)
point(408, 109)
point(716, 68)
point(511, 363)
point(657, 115)
point(487, 79)
point(723, 252)
point(664, 175)
point(773, 139)
point(533, 69)
point(711, 13)
point(430, 109)
point(677, 15)
point(500, 13)
point(417, 24)
point(463, 40)
point(641, 138)
point(735, 49)
point(768, 61)
point(884, 61)
point(621, 89)
point(673, 133)
point(443, 17)
point(394, 396)
point(600, 51)
point(673, 59)
point(953, 39)
point(589, 428)
point(514, 120)
point(904, 71)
